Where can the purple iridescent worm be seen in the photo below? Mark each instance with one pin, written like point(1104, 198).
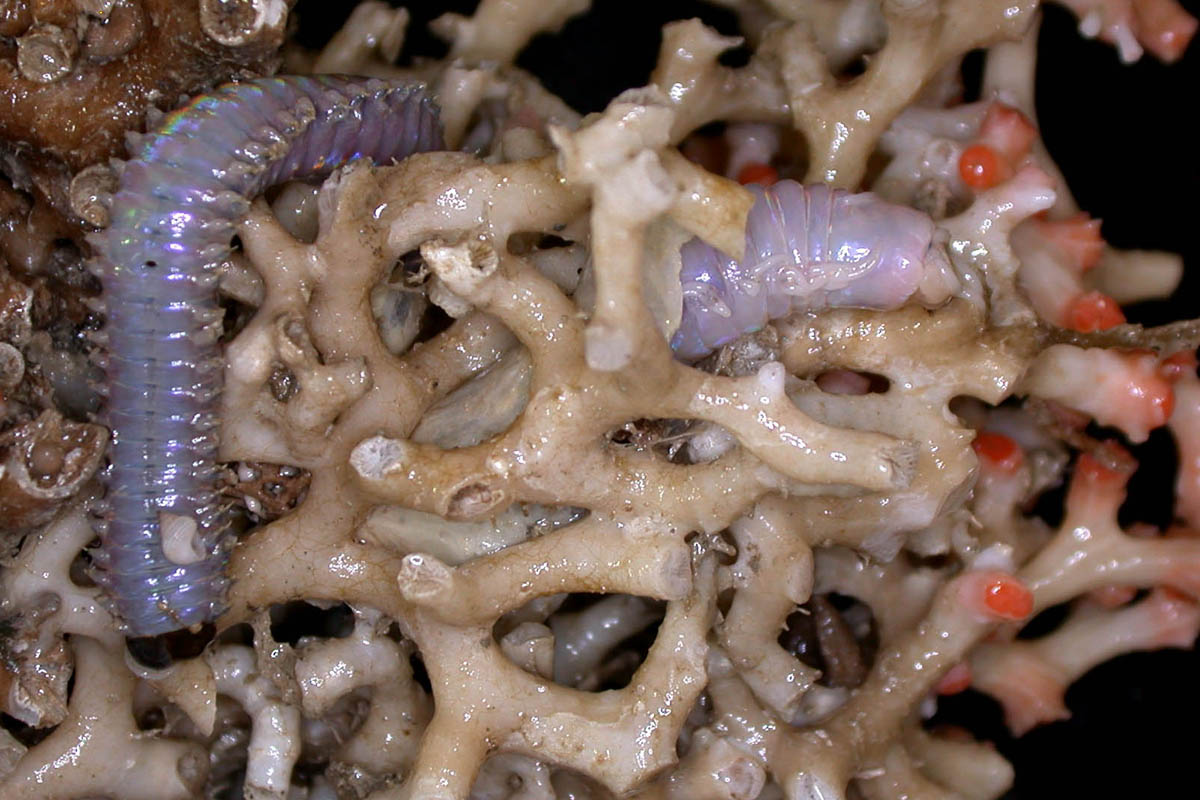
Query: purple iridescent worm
point(164, 540)
point(807, 248)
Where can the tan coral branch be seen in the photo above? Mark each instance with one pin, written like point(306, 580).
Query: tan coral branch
point(106, 751)
point(619, 738)
point(632, 556)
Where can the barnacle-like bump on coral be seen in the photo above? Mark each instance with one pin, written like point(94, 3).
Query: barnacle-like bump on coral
point(91, 193)
point(119, 26)
point(378, 456)
point(46, 462)
point(46, 53)
point(235, 23)
point(12, 366)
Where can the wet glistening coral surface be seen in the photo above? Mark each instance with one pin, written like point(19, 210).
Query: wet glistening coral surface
point(930, 458)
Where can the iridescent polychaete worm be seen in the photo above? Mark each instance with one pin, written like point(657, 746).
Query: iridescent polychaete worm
point(808, 248)
point(163, 530)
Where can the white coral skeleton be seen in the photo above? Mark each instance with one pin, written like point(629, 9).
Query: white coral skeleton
point(448, 500)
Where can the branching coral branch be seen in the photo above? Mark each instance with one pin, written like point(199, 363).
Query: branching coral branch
point(898, 594)
point(275, 728)
point(374, 28)
point(898, 776)
point(525, 462)
point(979, 242)
point(1185, 424)
point(701, 90)
point(499, 29)
point(590, 733)
point(43, 569)
point(329, 670)
point(615, 158)
point(712, 769)
point(312, 555)
point(843, 123)
point(461, 484)
point(1090, 550)
point(1123, 389)
point(820, 762)
point(99, 750)
point(973, 769)
point(1030, 677)
point(1161, 26)
point(929, 357)
point(594, 555)
point(773, 574)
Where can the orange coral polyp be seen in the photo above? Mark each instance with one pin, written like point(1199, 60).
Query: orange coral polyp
point(981, 167)
point(1007, 598)
point(1093, 311)
point(762, 174)
point(1092, 471)
point(998, 451)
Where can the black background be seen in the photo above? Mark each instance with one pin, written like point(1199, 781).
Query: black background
point(1125, 138)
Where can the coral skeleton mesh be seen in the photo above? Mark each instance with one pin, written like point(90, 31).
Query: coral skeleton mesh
point(727, 442)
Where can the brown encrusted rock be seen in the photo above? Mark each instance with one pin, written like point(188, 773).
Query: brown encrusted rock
point(41, 249)
point(74, 84)
point(44, 462)
point(16, 306)
point(31, 232)
point(269, 491)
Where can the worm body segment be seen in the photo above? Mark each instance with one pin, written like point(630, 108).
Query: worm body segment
point(163, 539)
point(807, 247)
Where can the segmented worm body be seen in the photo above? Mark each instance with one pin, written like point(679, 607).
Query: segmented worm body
point(807, 247)
point(163, 537)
